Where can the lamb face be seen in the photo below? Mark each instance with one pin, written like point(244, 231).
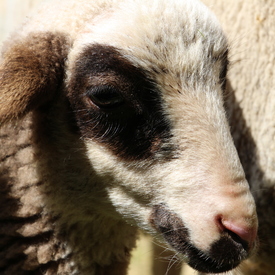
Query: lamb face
point(144, 92)
point(149, 106)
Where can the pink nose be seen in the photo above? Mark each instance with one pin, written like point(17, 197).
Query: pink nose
point(246, 233)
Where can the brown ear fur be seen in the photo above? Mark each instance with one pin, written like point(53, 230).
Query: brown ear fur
point(31, 72)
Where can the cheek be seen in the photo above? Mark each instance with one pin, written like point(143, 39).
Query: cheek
point(126, 186)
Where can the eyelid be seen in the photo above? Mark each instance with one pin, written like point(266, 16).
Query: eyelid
point(105, 96)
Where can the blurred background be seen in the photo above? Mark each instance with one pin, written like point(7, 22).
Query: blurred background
point(12, 13)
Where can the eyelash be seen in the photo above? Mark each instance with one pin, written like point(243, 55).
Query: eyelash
point(104, 97)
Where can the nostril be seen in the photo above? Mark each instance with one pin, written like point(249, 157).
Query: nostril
point(243, 233)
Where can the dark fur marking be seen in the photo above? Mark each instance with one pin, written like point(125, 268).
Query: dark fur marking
point(224, 254)
point(135, 129)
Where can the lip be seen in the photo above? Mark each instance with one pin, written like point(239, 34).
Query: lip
point(224, 255)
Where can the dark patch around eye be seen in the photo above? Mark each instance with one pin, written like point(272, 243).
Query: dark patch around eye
point(127, 115)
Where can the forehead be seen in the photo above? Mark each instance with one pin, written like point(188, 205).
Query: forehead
point(175, 37)
point(148, 52)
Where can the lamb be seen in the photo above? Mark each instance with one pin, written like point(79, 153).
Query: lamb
point(123, 101)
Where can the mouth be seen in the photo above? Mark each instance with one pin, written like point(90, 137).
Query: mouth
point(223, 255)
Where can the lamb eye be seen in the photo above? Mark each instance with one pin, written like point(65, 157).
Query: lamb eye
point(105, 97)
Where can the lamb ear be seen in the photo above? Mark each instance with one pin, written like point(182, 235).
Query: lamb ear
point(31, 72)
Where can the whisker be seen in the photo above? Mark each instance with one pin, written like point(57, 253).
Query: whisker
point(171, 263)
